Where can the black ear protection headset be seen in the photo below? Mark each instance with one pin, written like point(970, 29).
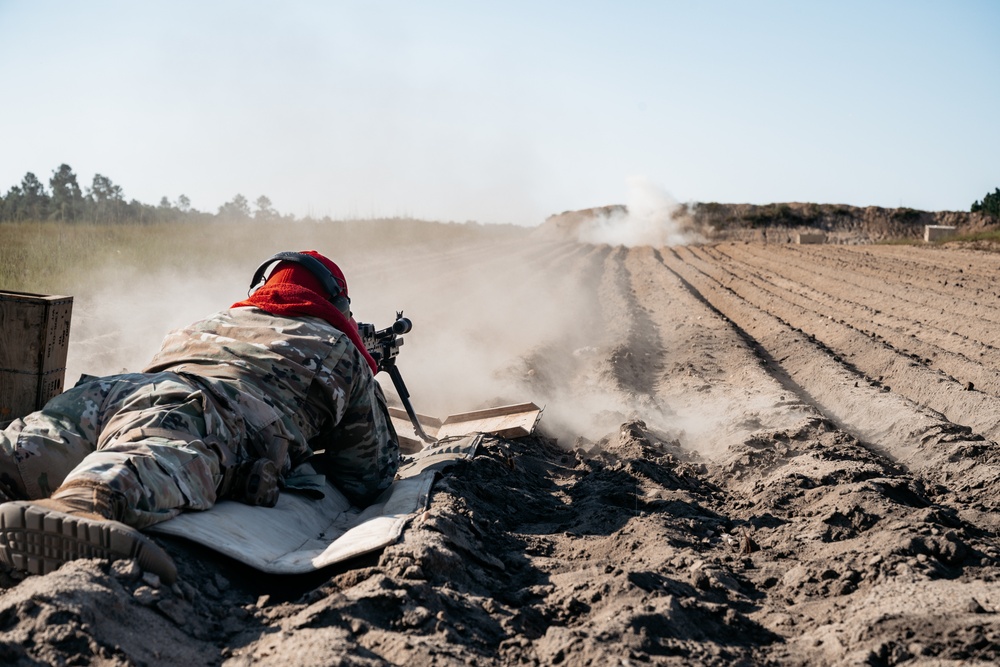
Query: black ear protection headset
point(316, 267)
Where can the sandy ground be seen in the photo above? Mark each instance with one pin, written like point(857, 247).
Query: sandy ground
point(751, 454)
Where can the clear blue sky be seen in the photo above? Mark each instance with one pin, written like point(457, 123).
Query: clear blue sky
point(505, 111)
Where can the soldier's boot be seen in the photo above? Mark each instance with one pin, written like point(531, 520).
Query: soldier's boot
point(86, 498)
point(38, 536)
point(256, 483)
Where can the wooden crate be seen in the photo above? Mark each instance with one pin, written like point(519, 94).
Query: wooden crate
point(34, 339)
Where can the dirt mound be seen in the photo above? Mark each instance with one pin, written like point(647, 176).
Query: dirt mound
point(840, 223)
point(751, 454)
point(565, 226)
point(775, 223)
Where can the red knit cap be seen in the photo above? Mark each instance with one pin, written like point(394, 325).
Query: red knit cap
point(293, 290)
point(290, 272)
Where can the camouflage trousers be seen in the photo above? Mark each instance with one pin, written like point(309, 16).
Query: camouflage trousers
point(159, 440)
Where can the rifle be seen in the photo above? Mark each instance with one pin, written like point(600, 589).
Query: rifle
point(383, 345)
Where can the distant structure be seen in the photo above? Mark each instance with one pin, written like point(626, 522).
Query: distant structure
point(810, 237)
point(937, 232)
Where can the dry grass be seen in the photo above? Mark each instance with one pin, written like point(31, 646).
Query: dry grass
point(50, 257)
point(47, 257)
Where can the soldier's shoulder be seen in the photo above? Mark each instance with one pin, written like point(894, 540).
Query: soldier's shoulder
point(298, 324)
point(344, 366)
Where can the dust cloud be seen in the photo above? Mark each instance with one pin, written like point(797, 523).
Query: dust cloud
point(484, 322)
point(122, 313)
point(493, 323)
point(651, 217)
point(496, 325)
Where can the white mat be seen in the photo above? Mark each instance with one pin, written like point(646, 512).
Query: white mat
point(301, 535)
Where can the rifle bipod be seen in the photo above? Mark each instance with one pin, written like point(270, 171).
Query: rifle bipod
point(404, 397)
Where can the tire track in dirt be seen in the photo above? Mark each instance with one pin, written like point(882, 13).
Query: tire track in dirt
point(715, 387)
point(906, 336)
point(946, 271)
point(932, 346)
point(876, 359)
point(869, 273)
point(809, 495)
point(632, 338)
point(934, 448)
point(885, 290)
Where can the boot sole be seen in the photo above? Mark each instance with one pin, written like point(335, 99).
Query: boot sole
point(37, 540)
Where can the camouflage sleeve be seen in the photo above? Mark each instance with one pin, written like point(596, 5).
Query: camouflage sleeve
point(361, 449)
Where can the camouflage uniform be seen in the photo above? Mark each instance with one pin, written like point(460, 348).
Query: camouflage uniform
point(238, 386)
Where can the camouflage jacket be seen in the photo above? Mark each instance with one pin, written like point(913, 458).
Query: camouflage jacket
point(301, 388)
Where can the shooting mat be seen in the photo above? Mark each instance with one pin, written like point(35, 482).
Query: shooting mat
point(300, 534)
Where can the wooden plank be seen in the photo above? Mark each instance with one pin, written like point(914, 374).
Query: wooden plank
point(506, 424)
point(507, 421)
point(488, 413)
point(55, 335)
point(408, 440)
point(425, 420)
point(409, 445)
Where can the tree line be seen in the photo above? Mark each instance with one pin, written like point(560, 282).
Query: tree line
point(990, 204)
point(104, 202)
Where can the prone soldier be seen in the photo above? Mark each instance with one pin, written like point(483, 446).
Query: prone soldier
point(227, 408)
